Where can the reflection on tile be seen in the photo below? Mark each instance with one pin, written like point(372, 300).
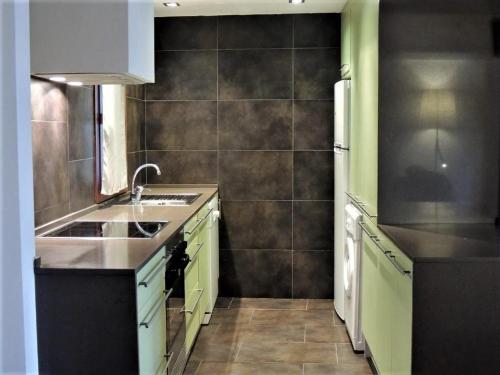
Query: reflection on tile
point(286, 352)
point(347, 356)
point(335, 334)
point(135, 125)
point(51, 213)
point(181, 125)
point(317, 82)
point(192, 367)
point(231, 316)
point(223, 302)
point(313, 176)
point(317, 30)
point(183, 167)
point(313, 225)
point(255, 175)
point(256, 273)
point(81, 183)
point(135, 91)
point(255, 125)
point(184, 75)
point(255, 74)
point(206, 351)
point(256, 218)
point(313, 124)
point(48, 101)
point(185, 33)
point(313, 274)
point(267, 31)
point(80, 122)
point(50, 164)
point(269, 303)
point(336, 369)
point(134, 161)
point(234, 368)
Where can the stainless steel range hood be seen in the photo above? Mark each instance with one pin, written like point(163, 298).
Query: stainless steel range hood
point(93, 42)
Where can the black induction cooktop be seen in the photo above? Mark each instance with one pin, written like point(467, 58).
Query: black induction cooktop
point(109, 229)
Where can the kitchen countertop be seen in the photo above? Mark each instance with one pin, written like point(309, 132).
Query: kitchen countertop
point(119, 254)
point(446, 242)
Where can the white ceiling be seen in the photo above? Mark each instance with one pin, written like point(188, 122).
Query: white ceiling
point(229, 7)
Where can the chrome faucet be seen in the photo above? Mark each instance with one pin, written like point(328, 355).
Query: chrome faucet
point(137, 190)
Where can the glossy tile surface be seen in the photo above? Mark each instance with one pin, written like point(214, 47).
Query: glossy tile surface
point(250, 336)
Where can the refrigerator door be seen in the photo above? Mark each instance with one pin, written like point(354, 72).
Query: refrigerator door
point(341, 160)
point(342, 108)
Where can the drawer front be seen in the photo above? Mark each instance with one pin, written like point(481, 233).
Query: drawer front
point(204, 267)
point(152, 338)
point(150, 282)
point(191, 275)
point(190, 228)
point(194, 246)
point(192, 312)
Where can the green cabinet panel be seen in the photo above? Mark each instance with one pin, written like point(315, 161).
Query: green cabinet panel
point(387, 303)
point(360, 28)
point(204, 268)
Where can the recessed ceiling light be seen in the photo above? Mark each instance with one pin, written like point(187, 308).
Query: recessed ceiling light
point(58, 79)
point(295, 2)
point(172, 4)
point(75, 83)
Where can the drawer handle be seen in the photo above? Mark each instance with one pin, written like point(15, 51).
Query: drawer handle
point(198, 222)
point(190, 311)
point(168, 356)
point(151, 276)
point(152, 313)
point(387, 253)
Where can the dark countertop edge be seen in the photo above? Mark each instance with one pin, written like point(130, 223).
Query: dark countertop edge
point(419, 259)
point(124, 271)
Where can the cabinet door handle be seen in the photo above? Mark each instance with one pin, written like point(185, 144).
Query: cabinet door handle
point(151, 276)
point(190, 311)
point(152, 313)
point(199, 221)
point(200, 245)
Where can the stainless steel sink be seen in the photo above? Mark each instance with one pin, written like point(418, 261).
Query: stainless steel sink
point(177, 199)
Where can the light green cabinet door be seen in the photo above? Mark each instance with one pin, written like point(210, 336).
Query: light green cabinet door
point(369, 290)
point(204, 268)
point(401, 330)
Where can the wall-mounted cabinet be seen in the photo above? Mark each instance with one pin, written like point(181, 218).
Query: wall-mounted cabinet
point(93, 42)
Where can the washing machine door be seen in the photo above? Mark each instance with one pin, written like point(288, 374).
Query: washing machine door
point(348, 266)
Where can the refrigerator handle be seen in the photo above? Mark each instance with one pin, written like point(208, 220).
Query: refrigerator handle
point(337, 145)
point(337, 150)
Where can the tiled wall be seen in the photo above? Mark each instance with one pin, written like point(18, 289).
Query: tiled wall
point(63, 145)
point(247, 102)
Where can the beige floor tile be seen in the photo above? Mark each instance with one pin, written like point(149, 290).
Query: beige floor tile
point(286, 352)
point(231, 316)
point(310, 317)
point(320, 304)
point(332, 334)
point(336, 369)
point(220, 368)
point(261, 332)
point(270, 303)
point(223, 302)
point(348, 356)
point(210, 350)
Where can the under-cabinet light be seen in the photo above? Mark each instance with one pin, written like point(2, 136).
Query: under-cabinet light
point(172, 4)
point(58, 79)
point(75, 83)
point(295, 2)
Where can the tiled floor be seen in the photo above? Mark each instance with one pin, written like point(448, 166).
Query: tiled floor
point(275, 336)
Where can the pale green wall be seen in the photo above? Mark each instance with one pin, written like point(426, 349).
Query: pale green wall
point(360, 49)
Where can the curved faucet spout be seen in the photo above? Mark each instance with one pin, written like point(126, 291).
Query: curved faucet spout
point(137, 191)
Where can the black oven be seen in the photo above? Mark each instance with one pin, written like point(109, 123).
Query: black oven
point(175, 298)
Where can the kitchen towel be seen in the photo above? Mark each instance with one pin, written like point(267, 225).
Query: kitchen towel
point(114, 142)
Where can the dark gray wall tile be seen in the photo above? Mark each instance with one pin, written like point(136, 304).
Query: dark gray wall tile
point(256, 225)
point(313, 274)
point(317, 30)
point(313, 124)
point(182, 125)
point(135, 125)
point(254, 175)
point(135, 91)
point(256, 273)
point(184, 75)
point(81, 184)
point(80, 122)
point(255, 125)
point(51, 213)
point(255, 74)
point(135, 160)
point(50, 164)
point(313, 225)
point(269, 31)
point(183, 167)
point(48, 101)
point(185, 33)
point(313, 176)
point(315, 73)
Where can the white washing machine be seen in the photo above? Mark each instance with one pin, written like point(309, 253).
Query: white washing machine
point(352, 277)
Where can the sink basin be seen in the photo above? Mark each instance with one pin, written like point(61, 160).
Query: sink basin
point(177, 199)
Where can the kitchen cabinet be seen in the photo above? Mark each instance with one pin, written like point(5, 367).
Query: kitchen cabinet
point(387, 303)
point(360, 32)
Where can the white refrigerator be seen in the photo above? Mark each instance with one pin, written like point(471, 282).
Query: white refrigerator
point(341, 160)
